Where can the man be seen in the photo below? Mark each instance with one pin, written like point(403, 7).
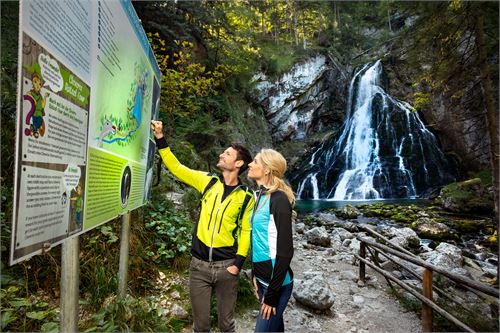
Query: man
point(221, 237)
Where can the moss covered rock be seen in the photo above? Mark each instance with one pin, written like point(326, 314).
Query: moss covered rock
point(470, 196)
point(348, 212)
point(428, 228)
point(468, 226)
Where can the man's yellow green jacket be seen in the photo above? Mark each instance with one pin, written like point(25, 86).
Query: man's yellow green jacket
point(223, 230)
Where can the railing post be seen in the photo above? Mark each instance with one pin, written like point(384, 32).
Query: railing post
point(362, 269)
point(427, 292)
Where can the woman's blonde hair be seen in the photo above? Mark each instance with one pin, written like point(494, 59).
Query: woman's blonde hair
point(276, 164)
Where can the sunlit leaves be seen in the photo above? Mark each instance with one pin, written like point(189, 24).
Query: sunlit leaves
point(184, 81)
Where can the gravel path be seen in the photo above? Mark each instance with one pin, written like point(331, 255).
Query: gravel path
point(356, 309)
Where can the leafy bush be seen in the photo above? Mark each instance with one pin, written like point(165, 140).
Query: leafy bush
point(171, 236)
point(128, 315)
point(22, 311)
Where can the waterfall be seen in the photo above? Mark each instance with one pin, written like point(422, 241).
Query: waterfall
point(383, 150)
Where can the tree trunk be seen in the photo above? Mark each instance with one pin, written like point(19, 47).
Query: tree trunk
point(290, 20)
point(295, 24)
point(491, 111)
point(389, 19)
point(304, 43)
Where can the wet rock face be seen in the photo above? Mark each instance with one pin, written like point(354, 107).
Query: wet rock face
point(384, 150)
point(295, 104)
point(313, 292)
point(464, 137)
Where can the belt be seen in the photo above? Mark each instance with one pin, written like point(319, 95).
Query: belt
point(214, 264)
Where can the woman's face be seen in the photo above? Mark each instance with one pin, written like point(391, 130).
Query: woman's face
point(256, 169)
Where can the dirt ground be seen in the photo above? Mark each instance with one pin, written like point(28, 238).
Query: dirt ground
point(356, 309)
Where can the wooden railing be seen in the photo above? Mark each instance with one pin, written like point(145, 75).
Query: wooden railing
point(428, 305)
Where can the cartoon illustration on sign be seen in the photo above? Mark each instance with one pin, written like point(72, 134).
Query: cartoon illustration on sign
point(36, 113)
point(77, 206)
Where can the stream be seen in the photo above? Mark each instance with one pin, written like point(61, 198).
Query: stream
point(471, 243)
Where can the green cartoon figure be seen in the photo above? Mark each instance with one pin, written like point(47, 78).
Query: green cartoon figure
point(78, 206)
point(37, 127)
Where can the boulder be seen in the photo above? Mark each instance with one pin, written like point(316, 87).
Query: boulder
point(313, 291)
point(336, 242)
point(327, 219)
point(318, 236)
point(347, 225)
point(344, 257)
point(299, 227)
point(428, 228)
point(404, 237)
point(342, 233)
point(446, 256)
point(348, 212)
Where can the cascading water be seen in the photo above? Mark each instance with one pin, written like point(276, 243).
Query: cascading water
point(383, 150)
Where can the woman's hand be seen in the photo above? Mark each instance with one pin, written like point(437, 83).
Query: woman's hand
point(157, 128)
point(255, 288)
point(266, 311)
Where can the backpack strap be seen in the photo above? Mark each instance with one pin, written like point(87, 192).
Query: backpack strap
point(209, 185)
point(248, 196)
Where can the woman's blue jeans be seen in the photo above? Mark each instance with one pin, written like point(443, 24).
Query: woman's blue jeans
point(275, 323)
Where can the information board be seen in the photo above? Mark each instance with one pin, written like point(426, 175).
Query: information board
point(88, 88)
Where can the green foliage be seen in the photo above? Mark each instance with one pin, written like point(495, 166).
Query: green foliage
point(421, 100)
point(171, 233)
point(128, 315)
point(485, 176)
point(443, 47)
point(8, 85)
point(24, 312)
point(99, 263)
point(191, 202)
point(184, 81)
point(246, 296)
point(277, 59)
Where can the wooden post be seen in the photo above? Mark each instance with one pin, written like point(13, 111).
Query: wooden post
point(124, 249)
point(362, 269)
point(427, 292)
point(70, 278)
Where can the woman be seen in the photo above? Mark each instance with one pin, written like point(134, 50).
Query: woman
point(272, 244)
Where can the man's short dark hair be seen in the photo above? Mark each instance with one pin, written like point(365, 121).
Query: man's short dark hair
point(243, 154)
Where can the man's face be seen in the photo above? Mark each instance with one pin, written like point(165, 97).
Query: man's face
point(228, 160)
